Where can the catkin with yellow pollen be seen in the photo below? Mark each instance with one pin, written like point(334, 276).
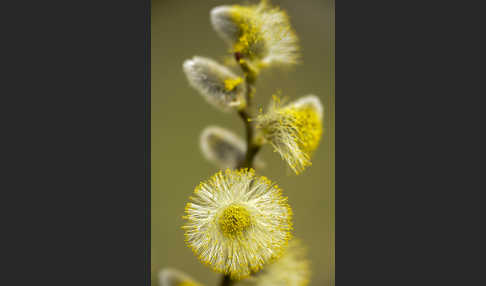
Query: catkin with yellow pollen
point(294, 130)
point(237, 222)
point(292, 269)
point(234, 220)
point(259, 35)
point(250, 42)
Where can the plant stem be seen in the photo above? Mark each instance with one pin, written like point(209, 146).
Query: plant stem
point(227, 281)
point(245, 114)
point(251, 147)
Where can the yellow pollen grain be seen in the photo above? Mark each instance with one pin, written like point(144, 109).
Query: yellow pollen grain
point(232, 83)
point(234, 220)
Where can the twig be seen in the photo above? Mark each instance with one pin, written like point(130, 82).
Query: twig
point(227, 281)
point(251, 147)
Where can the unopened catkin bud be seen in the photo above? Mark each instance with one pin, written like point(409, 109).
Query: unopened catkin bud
point(173, 277)
point(216, 83)
point(223, 148)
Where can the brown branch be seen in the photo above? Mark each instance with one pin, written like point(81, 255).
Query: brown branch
point(251, 147)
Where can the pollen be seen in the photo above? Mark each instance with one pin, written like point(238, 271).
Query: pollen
point(294, 130)
point(232, 83)
point(308, 126)
point(250, 35)
point(234, 220)
point(237, 222)
point(260, 33)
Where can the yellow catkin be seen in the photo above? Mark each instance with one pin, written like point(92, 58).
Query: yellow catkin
point(307, 125)
point(234, 228)
point(293, 268)
point(294, 131)
point(248, 21)
point(260, 35)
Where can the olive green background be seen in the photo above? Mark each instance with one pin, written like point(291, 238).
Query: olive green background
point(180, 30)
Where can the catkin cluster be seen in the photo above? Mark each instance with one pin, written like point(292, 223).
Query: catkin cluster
point(239, 223)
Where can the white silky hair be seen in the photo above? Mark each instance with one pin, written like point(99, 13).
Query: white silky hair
point(223, 24)
point(224, 148)
point(208, 78)
point(312, 101)
point(173, 277)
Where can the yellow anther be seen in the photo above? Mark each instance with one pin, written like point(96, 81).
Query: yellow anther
point(234, 220)
point(232, 83)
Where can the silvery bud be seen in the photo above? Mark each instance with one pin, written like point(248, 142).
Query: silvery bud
point(223, 148)
point(173, 277)
point(224, 24)
point(216, 83)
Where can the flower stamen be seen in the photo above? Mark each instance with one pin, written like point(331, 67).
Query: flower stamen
point(232, 83)
point(234, 220)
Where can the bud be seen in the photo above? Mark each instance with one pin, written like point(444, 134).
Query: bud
point(224, 25)
point(216, 83)
point(223, 148)
point(173, 277)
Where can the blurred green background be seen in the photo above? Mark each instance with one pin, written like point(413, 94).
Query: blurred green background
point(180, 30)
